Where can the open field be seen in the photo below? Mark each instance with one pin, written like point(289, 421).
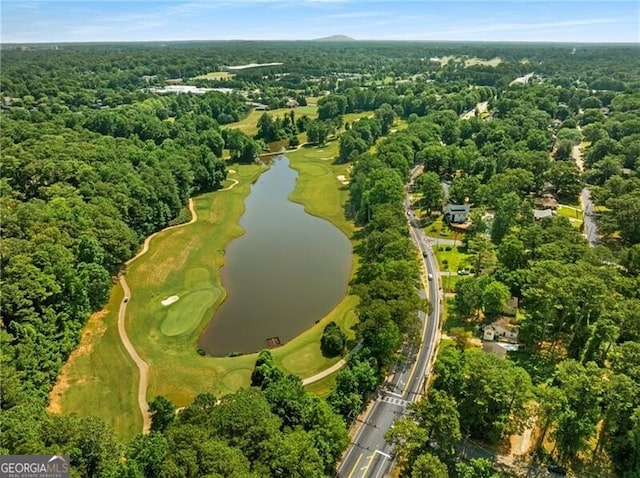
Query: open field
point(322, 387)
point(471, 61)
point(456, 258)
point(215, 75)
point(180, 262)
point(249, 127)
point(99, 378)
point(574, 215)
point(438, 229)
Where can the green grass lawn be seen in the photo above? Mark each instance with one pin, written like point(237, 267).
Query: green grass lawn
point(449, 282)
point(438, 229)
point(322, 387)
point(456, 257)
point(186, 262)
point(453, 319)
point(570, 212)
point(249, 124)
point(100, 379)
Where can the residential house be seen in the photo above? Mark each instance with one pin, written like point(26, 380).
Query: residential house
point(501, 330)
point(291, 103)
point(456, 213)
point(539, 214)
point(547, 201)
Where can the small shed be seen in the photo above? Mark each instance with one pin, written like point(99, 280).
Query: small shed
point(539, 214)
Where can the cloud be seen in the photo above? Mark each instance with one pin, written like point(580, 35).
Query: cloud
point(503, 27)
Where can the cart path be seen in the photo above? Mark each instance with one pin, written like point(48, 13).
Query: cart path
point(326, 372)
point(143, 367)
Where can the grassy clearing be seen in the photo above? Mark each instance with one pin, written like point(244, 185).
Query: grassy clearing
point(570, 212)
point(471, 61)
point(322, 387)
point(215, 75)
point(479, 61)
point(574, 214)
point(449, 282)
point(454, 320)
point(249, 126)
point(438, 229)
point(100, 379)
point(456, 258)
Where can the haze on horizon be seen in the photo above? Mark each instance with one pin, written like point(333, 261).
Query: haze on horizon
point(34, 21)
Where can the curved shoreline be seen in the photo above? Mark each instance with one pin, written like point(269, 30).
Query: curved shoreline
point(143, 367)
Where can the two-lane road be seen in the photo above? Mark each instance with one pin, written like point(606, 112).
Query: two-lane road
point(369, 455)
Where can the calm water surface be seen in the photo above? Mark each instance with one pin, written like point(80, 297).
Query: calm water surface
point(286, 272)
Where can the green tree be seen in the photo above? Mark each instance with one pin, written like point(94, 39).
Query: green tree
point(428, 466)
point(494, 297)
point(332, 341)
point(477, 468)
point(163, 413)
point(432, 193)
point(148, 452)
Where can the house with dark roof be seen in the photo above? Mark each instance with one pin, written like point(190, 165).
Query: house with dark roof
point(456, 213)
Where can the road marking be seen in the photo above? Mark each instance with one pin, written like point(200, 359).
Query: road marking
point(395, 394)
point(426, 317)
point(383, 454)
point(353, 470)
point(366, 467)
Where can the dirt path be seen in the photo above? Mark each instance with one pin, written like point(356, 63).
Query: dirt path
point(576, 153)
point(143, 367)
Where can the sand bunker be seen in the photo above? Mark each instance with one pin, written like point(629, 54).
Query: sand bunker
point(343, 179)
point(170, 300)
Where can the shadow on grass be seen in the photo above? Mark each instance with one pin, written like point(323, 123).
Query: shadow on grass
point(540, 366)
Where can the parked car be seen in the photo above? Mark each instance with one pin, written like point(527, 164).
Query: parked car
point(463, 272)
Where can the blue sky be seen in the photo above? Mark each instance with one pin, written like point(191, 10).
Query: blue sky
point(479, 20)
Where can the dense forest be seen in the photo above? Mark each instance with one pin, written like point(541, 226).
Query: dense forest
point(93, 162)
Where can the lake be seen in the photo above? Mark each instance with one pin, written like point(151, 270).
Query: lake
point(285, 273)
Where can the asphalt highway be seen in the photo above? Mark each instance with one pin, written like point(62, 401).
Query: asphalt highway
point(369, 455)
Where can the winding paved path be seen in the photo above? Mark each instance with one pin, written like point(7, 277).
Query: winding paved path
point(143, 367)
point(326, 372)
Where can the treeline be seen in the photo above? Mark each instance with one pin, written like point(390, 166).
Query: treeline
point(387, 280)
point(612, 160)
point(577, 377)
point(79, 194)
point(275, 428)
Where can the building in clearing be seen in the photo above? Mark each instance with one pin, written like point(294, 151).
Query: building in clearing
point(456, 213)
point(539, 214)
point(501, 330)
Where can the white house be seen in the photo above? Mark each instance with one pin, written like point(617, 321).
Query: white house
point(501, 330)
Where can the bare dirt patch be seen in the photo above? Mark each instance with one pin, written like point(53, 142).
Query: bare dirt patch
point(94, 329)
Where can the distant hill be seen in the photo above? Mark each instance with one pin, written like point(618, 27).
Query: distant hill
point(336, 38)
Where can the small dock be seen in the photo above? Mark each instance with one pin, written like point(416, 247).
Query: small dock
point(273, 342)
